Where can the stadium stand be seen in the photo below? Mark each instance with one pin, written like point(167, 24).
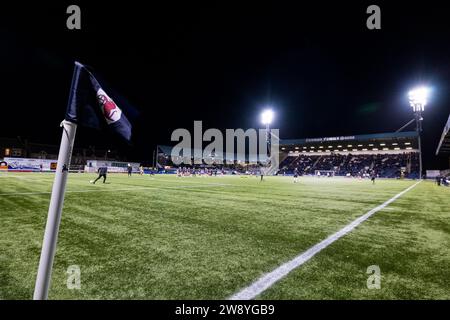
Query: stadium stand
point(240, 164)
point(389, 155)
point(384, 165)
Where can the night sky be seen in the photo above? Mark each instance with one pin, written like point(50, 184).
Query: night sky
point(319, 67)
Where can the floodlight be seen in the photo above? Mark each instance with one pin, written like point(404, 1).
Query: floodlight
point(418, 98)
point(267, 117)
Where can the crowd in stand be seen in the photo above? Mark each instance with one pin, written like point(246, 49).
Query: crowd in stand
point(384, 165)
point(214, 169)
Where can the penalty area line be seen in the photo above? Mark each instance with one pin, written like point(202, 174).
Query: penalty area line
point(269, 279)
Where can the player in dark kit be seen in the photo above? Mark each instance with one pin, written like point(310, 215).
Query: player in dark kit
point(372, 177)
point(102, 171)
point(129, 169)
point(295, 175)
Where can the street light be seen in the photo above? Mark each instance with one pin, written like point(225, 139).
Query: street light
point(418, 99)
point(266, 119)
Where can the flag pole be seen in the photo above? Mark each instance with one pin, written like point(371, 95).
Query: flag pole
point(54, 212)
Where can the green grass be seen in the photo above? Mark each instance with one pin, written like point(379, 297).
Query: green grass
point(165, 237)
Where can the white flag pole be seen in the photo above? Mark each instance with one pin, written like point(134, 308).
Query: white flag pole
point(54, 212)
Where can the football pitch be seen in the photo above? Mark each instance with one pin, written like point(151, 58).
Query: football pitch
point(165, 237)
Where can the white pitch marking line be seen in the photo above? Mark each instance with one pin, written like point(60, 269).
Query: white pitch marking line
point(112, 190)
point(269, 279)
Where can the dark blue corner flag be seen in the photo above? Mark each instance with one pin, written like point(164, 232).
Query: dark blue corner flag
point(89, 105)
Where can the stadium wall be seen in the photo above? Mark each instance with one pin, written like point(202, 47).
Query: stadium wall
point(113, 166)
point(28, 165)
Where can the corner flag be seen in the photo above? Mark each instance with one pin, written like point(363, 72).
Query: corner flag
point(89, 105)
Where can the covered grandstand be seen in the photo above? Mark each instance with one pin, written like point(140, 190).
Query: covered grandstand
point(241, 163)
point(388, 155)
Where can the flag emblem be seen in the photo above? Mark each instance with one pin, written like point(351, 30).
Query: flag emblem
point(110, 110)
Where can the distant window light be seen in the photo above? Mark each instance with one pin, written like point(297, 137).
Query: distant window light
point(407, 143)
point(382, 144)
point(375, 149)
point(364, 149)
point(359, 145)
point(385, 148)
point(397, 148)
point(408, 148)
point(296, 147)
point(370, 144)
point(349, 146)
point(395, 143)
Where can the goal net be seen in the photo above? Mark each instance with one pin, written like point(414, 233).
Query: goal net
point(324, 173)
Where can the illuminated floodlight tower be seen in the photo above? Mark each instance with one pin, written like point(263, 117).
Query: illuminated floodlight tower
point(266, 119)
point(418, 99)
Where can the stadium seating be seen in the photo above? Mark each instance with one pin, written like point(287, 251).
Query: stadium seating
point(384, 165)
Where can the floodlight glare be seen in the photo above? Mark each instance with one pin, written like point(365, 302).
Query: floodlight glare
point(418, 98)
point(267, 117)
